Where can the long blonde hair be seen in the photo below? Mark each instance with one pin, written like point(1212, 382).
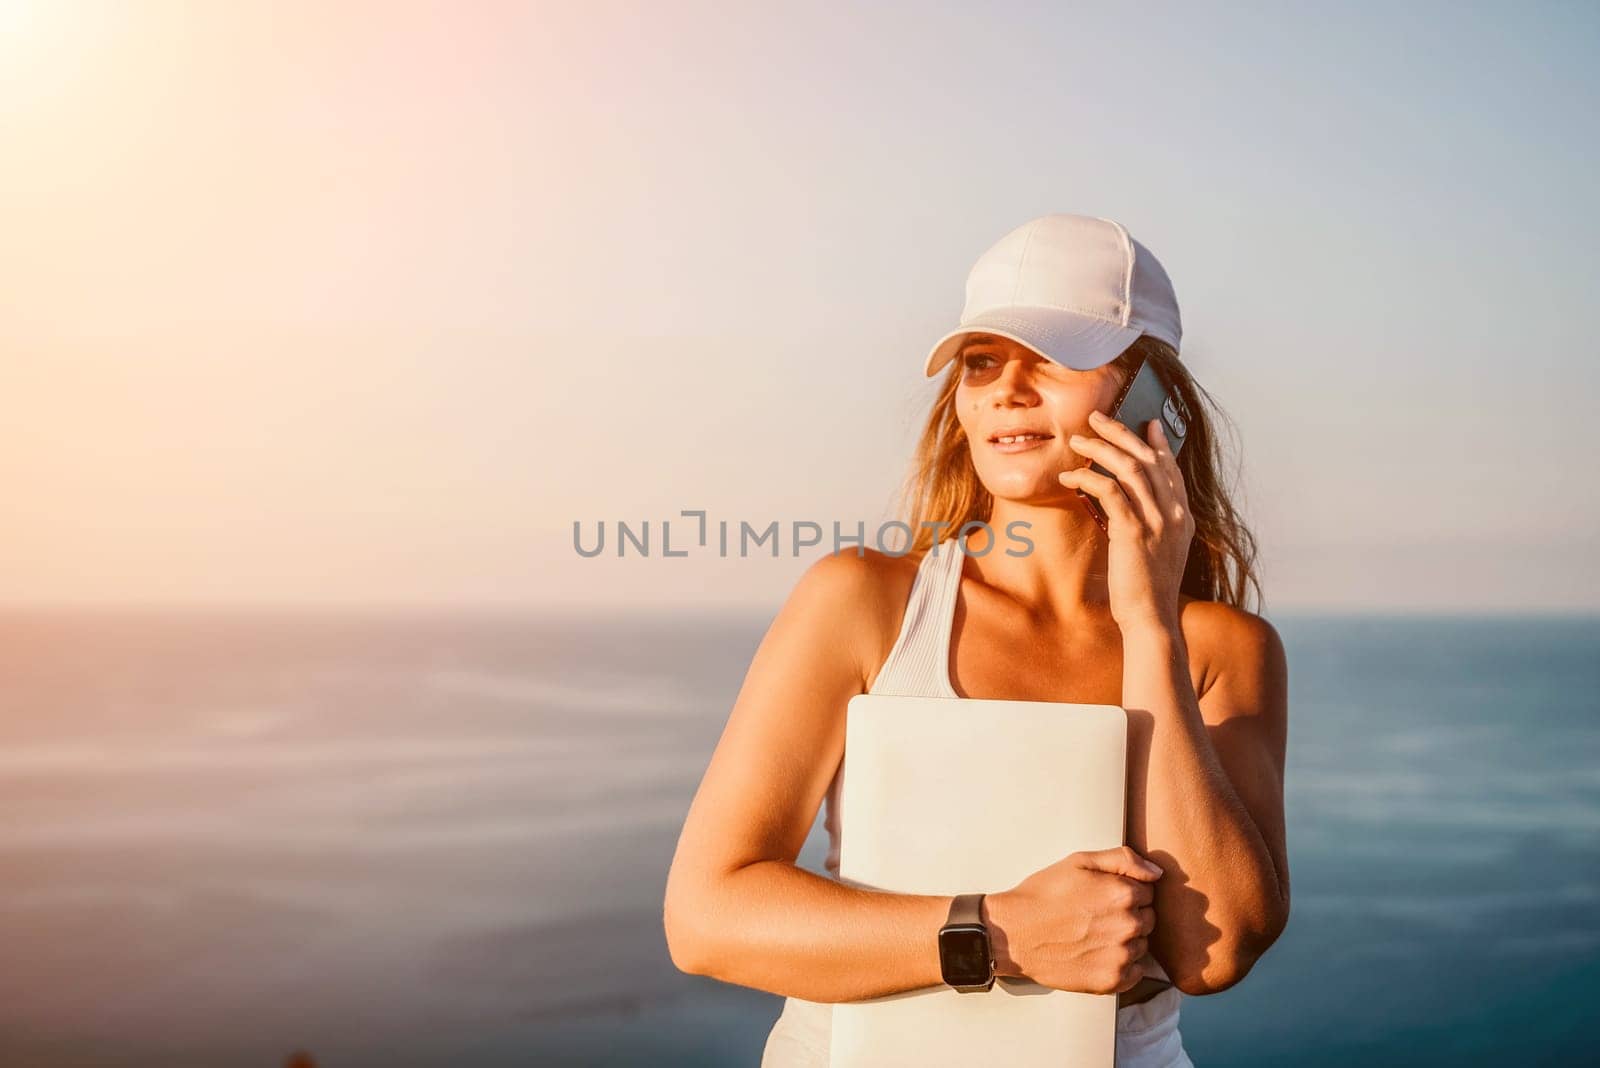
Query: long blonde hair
point(943, 486)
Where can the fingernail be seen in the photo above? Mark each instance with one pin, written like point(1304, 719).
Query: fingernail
point(1157, 867)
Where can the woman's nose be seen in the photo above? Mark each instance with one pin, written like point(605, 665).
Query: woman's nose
point(1016, 378)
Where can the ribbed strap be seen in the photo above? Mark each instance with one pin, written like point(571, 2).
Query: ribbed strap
point(917, 666)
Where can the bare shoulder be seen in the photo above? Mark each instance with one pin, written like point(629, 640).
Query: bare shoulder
point(853, 580)
point(1237, 649)
point(864, 595)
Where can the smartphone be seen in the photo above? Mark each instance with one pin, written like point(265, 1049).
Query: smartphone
point(1142, 399)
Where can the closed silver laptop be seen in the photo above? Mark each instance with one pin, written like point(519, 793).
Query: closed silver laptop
point(953, 796)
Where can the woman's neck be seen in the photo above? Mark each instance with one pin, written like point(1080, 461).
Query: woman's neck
point(1061, 576)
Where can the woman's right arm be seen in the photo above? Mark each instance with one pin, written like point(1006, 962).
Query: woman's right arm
point(737, 908)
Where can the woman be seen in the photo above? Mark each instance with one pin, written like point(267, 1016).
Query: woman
point(1145, 614)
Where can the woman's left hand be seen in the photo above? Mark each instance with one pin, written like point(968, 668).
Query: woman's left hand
point(1147, 516)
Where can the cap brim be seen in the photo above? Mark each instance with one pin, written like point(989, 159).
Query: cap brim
point(1080, 342)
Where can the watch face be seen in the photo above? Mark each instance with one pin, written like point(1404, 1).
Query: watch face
point(964, 955)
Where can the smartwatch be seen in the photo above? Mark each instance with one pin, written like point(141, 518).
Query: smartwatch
point(964, 955)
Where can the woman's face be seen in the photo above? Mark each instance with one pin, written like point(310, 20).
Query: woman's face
point(1007, 388)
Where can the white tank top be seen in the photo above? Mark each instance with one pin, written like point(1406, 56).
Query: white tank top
point(919, 663)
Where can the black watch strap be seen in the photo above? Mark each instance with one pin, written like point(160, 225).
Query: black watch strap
point(966, 908)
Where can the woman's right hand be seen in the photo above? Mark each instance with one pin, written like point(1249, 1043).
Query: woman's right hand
point(1082, 924)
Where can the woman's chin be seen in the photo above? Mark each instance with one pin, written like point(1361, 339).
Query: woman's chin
point(1034, 491)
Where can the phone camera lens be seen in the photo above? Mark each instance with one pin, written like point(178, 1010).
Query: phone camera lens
point(1169, 412)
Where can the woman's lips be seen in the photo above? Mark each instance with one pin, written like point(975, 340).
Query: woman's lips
point(1020, 446)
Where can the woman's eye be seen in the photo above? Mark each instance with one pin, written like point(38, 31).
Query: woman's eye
point(972, 360)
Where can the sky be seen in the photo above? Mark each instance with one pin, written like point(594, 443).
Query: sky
point(369, 304)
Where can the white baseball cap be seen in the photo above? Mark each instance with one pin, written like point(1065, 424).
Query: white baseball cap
point(1075, 289)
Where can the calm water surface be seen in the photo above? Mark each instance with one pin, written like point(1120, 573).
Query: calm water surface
point(428, 840)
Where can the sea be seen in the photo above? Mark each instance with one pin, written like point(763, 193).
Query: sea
point(264, 837)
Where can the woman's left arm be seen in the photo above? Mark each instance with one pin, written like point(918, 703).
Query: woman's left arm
point(1212, 810)
point(1213, 801)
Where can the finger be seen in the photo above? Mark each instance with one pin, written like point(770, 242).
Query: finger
point(1108, 491)
point(1160, 472)
point(1146, 915)
point(1120, 434)
point(1119, 860)
point(1143, 892)
point(1130, 471)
